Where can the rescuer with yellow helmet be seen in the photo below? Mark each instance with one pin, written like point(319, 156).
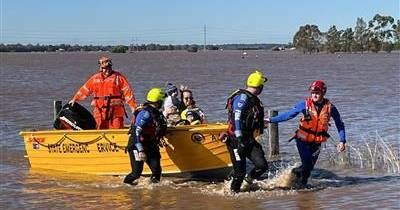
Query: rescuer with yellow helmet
point(246, 117)
point(148, 127)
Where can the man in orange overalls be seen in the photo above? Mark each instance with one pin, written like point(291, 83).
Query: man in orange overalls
point(110, 90)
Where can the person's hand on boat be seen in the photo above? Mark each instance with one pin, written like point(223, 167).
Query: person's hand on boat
point(267, 121)
point(71, 102)
point(223, 136)
point(341, 147)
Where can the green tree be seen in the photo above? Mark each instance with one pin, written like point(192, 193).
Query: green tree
point(374, 44)
point(396, 34)
point(360, 35)
point(347, 40)
point(333, 39)
point(119, 49)
point(381, 32)
point(308, 38)
point(388, 46)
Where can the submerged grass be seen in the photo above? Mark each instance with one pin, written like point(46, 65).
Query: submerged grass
point(373, 152)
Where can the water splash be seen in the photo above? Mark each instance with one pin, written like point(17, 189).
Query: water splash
point(281, 183)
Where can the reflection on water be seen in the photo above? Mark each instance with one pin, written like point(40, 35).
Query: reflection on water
point(365, 88)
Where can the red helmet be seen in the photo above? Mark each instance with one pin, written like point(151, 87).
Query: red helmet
point(318, 85)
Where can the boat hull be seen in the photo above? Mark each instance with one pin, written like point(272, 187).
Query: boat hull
point(186, 150)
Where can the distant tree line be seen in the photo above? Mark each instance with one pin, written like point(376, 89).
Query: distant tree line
point(125, 48)
point(51, 48)
point(380, 33)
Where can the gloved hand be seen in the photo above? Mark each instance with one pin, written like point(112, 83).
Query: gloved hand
point(142, 156)
point(241, 146)
point(126, 149)
point(223, 137)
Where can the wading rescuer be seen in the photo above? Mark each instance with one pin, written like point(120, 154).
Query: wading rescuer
point(313, 128)
point(110, 90)
point(149, 126)
point(245, 118)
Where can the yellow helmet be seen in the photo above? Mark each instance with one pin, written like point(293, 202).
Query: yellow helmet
point(155, 95)
point(256, 79)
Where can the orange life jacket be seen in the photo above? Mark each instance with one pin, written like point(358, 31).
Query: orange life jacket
point(314, 125)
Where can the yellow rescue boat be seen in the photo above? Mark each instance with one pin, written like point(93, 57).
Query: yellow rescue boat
point(193, 151)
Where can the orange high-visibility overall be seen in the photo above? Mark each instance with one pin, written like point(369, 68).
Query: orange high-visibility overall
point(109, 95)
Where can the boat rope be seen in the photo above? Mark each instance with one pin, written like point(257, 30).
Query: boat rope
point(65, 137)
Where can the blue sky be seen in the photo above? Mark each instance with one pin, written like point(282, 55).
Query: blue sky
point(177, 22)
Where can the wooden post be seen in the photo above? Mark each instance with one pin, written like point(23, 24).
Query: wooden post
point(273, 136)
point(57, 107)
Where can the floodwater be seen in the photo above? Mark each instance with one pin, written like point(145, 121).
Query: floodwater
point(364, 87)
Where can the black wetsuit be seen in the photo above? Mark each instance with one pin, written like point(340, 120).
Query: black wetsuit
point(145, 136)
point(245, 115)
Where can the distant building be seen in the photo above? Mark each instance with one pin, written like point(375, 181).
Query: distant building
point(192, 49)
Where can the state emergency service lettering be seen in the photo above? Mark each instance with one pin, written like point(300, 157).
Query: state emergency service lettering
point(68, 148)
point(107, 147)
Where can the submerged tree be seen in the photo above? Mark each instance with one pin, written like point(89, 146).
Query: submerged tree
point(333, 40)
point(381, 33)
point(308, 38)
point(360, 35)
point(396, 34)
point(347, 40)
point(119, 49)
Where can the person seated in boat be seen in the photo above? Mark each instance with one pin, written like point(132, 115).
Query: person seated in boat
point(172, 106)
point(147, 129)
point(110, 91)
point(193, 115)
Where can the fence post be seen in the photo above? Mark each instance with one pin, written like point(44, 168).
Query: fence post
point(57, 106)
point(273, 136)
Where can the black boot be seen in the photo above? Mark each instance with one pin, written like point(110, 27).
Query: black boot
point(248, 179)
point(154, 180)
point(299, 179)
point(236, 183)
point(129, 179)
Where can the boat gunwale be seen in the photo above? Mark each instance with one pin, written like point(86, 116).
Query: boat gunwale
point(190, 128)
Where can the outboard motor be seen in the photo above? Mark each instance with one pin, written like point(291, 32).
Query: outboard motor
point(74, 117)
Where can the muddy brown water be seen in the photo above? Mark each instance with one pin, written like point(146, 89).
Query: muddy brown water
point(364, 87)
